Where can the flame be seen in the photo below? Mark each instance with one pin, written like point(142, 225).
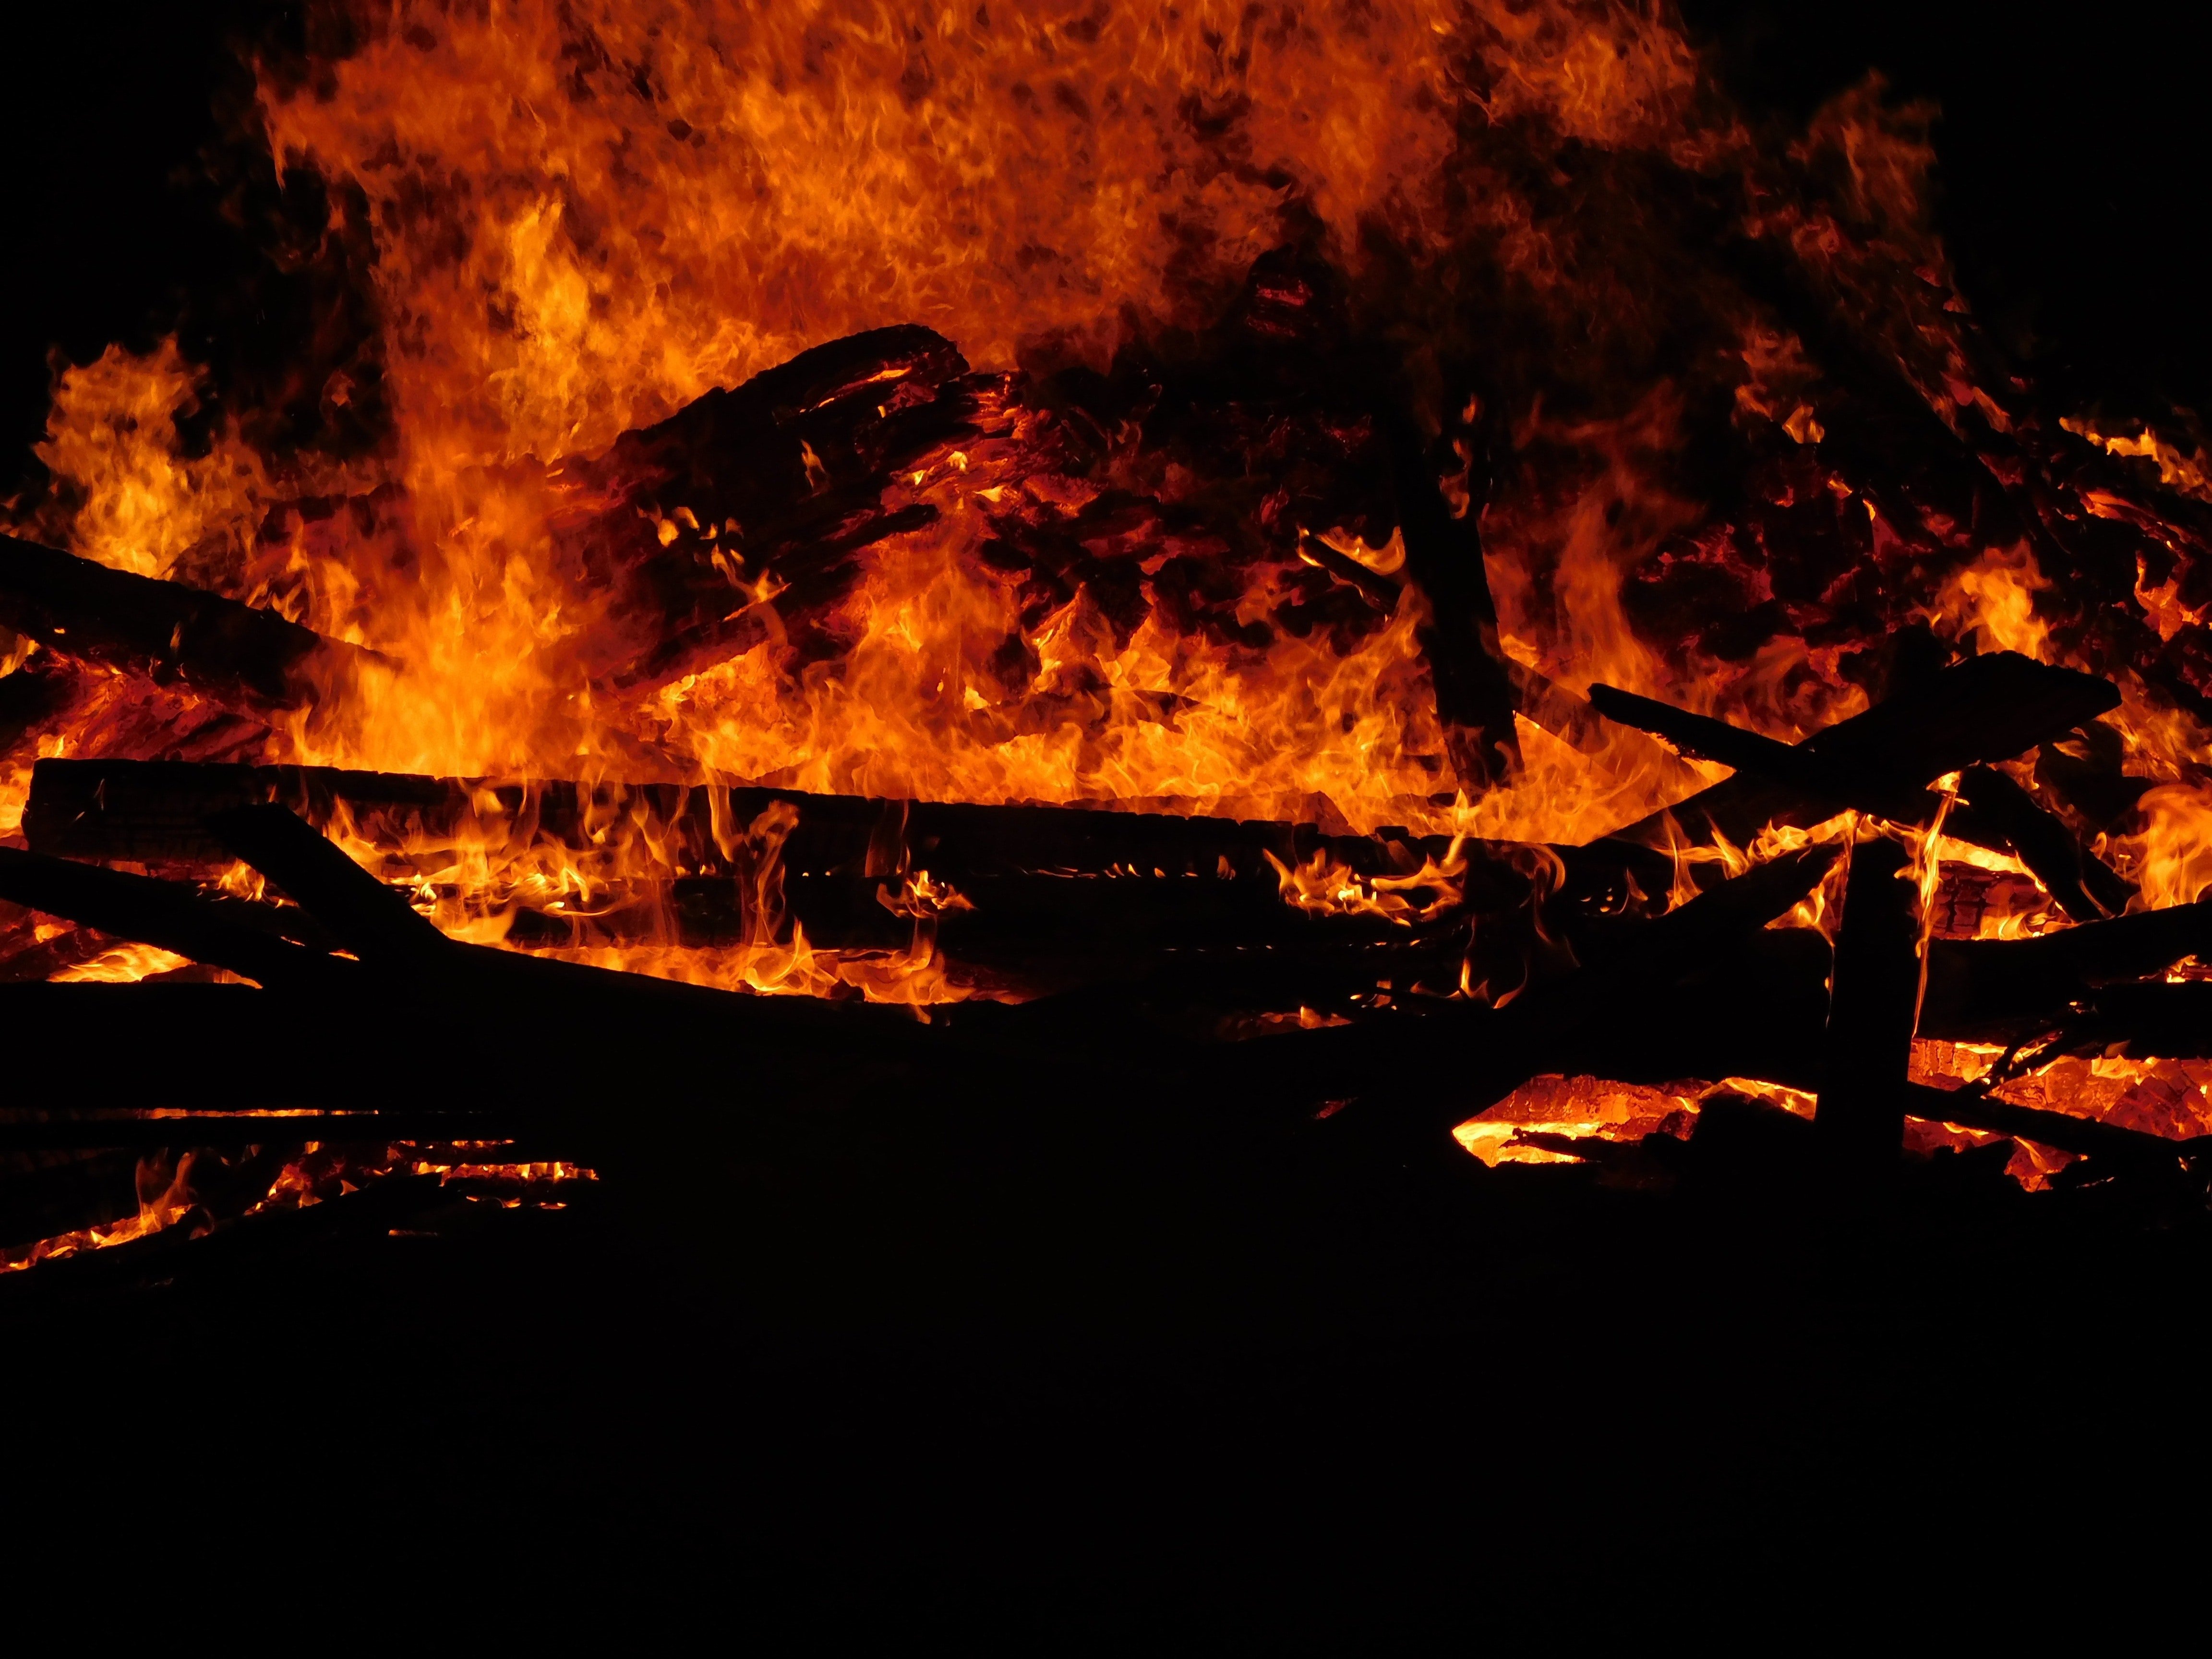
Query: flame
point(2172, 856)
point(1325, 886)
point(585, 214)
point(1996, 595)
point(165, 1197)
point(141, 501)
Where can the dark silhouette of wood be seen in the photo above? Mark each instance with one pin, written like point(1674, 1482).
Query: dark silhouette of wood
point(1870, 1018)
point(1475, 697)
point(1989, 990)
point(166, 915)
point(2144, 1020)
point(1987, 708)
point(233, 654)
point(2084, 885)
point(243, 1128)
point(370, 918)
point(156, 812)
point(2083, 1137)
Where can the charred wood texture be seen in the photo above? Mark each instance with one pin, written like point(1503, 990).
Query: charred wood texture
point(1870, 1018)
point(231, 653)
point(2144, 1021)
point(1667, 990)
point(1988, 708)
point(157, 813)
point(2084, 885)
point(784, 475)
point(166, 915)
point(2083, 1137)
point(1475, 699)
point(1994, 990)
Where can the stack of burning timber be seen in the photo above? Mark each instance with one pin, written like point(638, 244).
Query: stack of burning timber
point(310, 1026)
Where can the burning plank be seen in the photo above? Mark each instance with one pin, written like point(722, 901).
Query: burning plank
point(231, 653)
point(1988, 708)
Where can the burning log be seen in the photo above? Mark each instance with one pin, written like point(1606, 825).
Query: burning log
point(166, 915)
point(2152, 1019)
point(1827, 785)
point(230, 653)
point(782, 479)
point(371, 920)
point(1987, 708)
point(156, 812)
point(1999, 814)
point(1991, 989)
point(1634, 1004)
point(2084, 885)
point(1870, 1018)
point(2083, 1137)
point(1475, 699)
point(178, 1129)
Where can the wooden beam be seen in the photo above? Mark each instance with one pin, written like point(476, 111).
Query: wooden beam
point(231, 653)
point(1870, 1017)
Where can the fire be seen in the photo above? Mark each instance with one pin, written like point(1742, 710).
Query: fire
point(571, 219)
point(165, 1197)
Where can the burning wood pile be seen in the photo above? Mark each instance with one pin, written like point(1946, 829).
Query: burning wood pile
point(1794, 745)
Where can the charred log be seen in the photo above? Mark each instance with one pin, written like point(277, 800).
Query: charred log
point(156, 813)
point(229, 652)
point(2084, 885)
point(1988, 708)
point(1996, 990)
point(1475, 698)
point(1870, 1018)
point(166, 915)
point(1443, 1065)
point(2083, 1137)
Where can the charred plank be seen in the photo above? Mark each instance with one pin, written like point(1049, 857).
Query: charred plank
point(1988, 708)
point(2084, 885)
point(157, 813)
point(1870, 1018)
point(1994, 990)
point(2083, 1137)
point(231, 653)
point(169, 915)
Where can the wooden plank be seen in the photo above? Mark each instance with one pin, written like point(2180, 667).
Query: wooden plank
point(1870, 1018)
point(1988, 708)
point(234, 654)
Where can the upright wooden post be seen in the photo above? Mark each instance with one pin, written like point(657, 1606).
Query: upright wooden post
point(1861, 1115)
